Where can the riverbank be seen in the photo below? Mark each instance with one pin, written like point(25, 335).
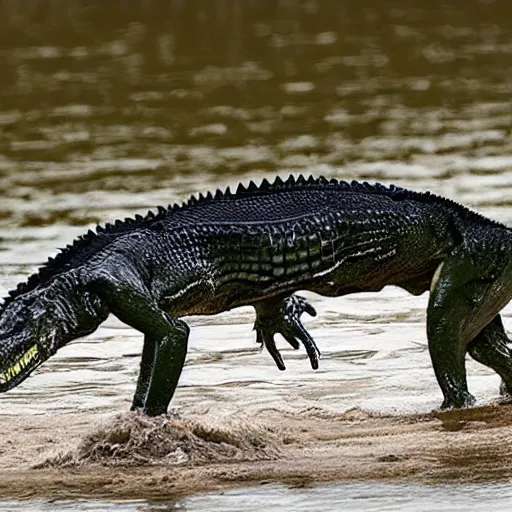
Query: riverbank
point(76, 455)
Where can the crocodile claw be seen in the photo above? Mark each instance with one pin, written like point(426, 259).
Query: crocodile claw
point(283, 316)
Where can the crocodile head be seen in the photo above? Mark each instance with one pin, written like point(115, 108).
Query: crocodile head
point(26, 326)
point(35, 324)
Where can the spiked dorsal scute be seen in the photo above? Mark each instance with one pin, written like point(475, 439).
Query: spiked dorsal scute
point(290, 181)
point(252, 187)
point(265, 184)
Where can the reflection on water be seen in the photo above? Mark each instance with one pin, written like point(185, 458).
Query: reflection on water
point(110, 108)
point(374, 497)
point(106, 109)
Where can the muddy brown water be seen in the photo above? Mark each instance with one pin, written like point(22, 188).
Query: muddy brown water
point(108, 109)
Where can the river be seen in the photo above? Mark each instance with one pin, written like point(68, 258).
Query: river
point(108, 109)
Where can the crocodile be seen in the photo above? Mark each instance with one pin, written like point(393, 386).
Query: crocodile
point(258, 246)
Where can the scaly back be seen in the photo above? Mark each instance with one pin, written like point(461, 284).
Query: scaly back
point(253, 203)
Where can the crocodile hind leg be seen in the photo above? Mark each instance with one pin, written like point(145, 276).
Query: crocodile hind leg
point(165, 340)
point(491, 349)
point(282, 315)
point(469, 293)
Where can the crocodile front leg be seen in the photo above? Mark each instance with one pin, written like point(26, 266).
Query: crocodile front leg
point(165, 343)
point(146, 371)
point(282, 315)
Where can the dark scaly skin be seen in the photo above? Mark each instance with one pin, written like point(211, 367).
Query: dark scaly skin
point(257, 247)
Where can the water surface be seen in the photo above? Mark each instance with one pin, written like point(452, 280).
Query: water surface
point(109, 109)
point(350, 497)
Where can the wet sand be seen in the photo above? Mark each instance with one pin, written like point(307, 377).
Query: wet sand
point(303, 449)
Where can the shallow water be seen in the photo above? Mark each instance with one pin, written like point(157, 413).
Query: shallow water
point(107, 110)
point(350, 497)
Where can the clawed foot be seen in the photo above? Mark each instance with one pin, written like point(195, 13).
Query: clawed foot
point(505, 394)
point(283, 316)
point(460, 400)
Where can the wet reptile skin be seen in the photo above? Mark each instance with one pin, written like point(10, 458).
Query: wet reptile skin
point(257, 246)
